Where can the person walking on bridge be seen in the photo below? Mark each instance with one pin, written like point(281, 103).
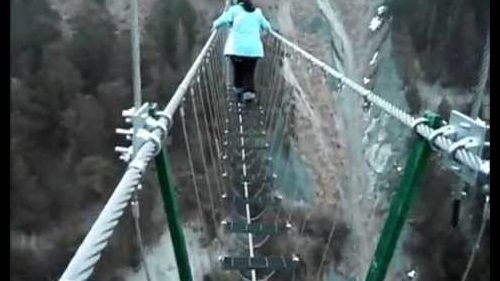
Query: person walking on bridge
point(244, 44)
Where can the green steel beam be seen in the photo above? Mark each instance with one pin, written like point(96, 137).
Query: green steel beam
point(167, 185)
point(400, 206)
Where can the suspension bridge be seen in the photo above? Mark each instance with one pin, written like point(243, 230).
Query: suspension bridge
point(236, 143)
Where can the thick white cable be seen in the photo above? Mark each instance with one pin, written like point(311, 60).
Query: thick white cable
point(89, 252)
point(83, 262)
point(463, 155)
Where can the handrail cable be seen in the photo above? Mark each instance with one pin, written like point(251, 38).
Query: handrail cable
point(463, 155)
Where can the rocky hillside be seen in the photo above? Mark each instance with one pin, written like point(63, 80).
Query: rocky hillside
point(425, 56)
point(71, 77)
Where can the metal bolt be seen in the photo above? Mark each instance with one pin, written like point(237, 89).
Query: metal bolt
point(128, 112)
point(121, 149)
point(125, 157)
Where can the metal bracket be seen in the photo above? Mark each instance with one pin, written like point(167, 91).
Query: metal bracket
point(465, 133)
point(143, 124)
point(445, 131)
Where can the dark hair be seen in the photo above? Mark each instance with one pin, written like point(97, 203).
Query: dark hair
point(247, 5)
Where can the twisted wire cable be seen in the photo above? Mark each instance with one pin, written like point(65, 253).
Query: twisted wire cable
point(463, 155)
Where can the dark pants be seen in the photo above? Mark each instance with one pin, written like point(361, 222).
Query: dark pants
point(244, 71)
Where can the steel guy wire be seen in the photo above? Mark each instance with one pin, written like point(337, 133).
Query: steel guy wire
point(477, 244)
point(209, 138)
point(136, 68)
point(269, 76)
point(274, 98)
point(269, 123)
point(210, 84)
point(283, 136)
point(216, 99)
point(483, 77)
point(221, 123)
point(270, 112)
point(325, 252)
point(216, 95)
point(202, 152)
point(190, 161)
point(217, 165)
point(262, 78)
point(136, 216)
point(221, 94)
point(260, 74)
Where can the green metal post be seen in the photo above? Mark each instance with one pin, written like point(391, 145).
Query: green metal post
point(400, 206)
point(167, 185)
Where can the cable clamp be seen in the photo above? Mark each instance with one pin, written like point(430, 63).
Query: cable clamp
point(153, 124)
point(419, 121)
point(486, 212)
point(162, 114)
point(448, 131)
point(145, 136)
point(471, 135)
point(467, 143)
point(139, 165)
point(125, 153)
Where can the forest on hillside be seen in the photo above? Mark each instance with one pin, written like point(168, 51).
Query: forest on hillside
point(67, 94)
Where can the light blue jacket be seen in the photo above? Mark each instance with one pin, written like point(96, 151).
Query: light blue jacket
point(244, 36)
